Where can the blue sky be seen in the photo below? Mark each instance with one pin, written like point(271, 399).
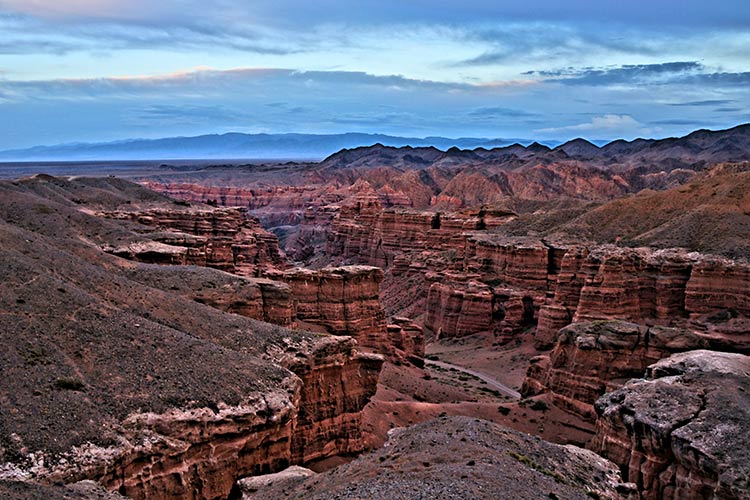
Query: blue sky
point(96, 70)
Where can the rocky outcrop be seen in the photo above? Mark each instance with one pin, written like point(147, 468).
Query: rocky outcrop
point(667, 287)
point(114, 371)
point(458, 309)
point(341, 301)
point(337, 382)
point(682, 432)
point(223, 238)
point(457, 457)
point(257, 298)
point(592, 358)
point(407, 338)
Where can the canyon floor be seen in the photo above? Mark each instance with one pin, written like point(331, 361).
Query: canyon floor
point(522, 322)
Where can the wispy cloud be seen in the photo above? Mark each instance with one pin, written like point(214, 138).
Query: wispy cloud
point(706, 102)
point(602, 126)
point(491, 112)
point(630, 73)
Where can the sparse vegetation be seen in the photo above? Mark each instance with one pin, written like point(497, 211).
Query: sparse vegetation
point(70, 384)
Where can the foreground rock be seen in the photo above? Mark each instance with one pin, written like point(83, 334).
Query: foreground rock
point(459, 458)
point(83, 490)
point(682, 432)
point(114, 371)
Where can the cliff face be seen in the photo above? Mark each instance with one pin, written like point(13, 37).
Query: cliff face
point(222, 238)
point(342, 301)
point(646, 286)
point(682, 432)
point(335, 300)
point(337, 382)
point(134, 375)
point(590, 359)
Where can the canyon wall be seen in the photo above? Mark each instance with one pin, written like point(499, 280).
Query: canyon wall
point(196, 452)
point(591, 358)
point(341, 301)
point(223, 238)
point(466, 280)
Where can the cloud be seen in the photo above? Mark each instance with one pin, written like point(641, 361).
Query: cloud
point(707, 102)
point(600, 126)
point(498, 111)
point(665, 13)
point(630, 73)
point(187, 114)
point(208, 81)
point(680, 121)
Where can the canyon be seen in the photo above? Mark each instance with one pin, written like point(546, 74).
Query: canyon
point(212, 325)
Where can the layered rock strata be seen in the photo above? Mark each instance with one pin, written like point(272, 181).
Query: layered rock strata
point(682, 432)
point(114, 371)
point(223, 238)
point(592, 358)
point(341, 301)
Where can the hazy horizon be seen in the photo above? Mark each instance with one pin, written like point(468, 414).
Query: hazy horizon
point(107, 70)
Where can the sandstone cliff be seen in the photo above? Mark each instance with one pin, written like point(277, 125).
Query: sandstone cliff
point(590, 359)
point(115, 371)
point(222, 238)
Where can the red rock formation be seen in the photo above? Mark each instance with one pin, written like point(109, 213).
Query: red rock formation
point(458, 310)
point(590, 359)
point(337, 382)
point(516, 262)
point(682, 432)
point(341, 301)
point(718, 284)
point(222, 238)
point(114, 372)
point(198, 453)
point(257, 298)
point(408, 340)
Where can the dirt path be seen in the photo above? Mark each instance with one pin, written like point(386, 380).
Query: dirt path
point(502, 388)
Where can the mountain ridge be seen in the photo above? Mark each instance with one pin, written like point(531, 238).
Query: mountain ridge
point(237, 145)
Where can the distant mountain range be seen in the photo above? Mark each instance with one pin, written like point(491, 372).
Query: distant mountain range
point(240, 146)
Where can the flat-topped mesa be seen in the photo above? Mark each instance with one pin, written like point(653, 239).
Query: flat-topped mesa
point(591, 358)
point(342, 301)
point(525, 263)
point(682, 432)
point(222, 238)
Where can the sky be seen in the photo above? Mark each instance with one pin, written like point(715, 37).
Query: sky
point(103, 70)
